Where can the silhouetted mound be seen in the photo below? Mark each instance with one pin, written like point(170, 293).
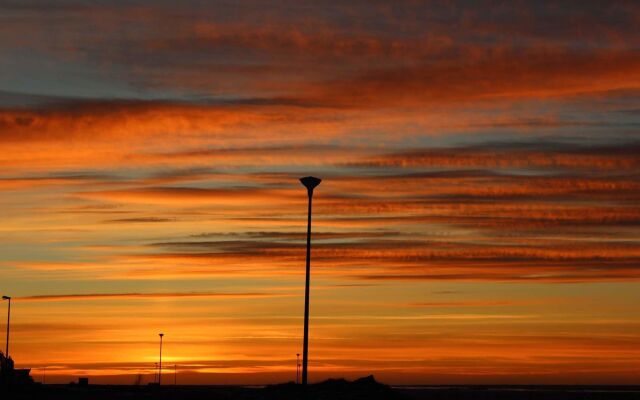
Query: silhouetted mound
point(333, 389)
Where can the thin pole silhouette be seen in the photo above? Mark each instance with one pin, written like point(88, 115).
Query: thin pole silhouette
point(160, 364)
point(310, 183)
point(44, 374)
point(297, 368)
point(175, 374)
point(6, 352)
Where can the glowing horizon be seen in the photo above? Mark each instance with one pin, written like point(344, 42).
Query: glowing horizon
point(478, 219)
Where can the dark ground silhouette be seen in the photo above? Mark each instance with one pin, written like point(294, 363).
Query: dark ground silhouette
point(334, 389)
point(535, 392)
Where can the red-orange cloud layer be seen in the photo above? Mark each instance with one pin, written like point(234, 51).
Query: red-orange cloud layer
point(477, 222)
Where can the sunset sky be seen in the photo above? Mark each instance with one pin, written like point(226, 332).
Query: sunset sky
point(478, 219)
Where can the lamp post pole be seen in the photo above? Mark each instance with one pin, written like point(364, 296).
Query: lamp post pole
point(6, 352)
point(160, 363)
point(310, 183)
point(297, 368)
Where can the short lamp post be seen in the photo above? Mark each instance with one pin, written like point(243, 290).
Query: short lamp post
point(160, 363)
point(6, 352)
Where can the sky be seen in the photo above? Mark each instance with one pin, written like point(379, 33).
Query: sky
point(478, 219)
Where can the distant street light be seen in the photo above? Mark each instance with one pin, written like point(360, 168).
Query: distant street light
point(310, 183)
point(160, 364)
point(6, 352)
point(297, 368)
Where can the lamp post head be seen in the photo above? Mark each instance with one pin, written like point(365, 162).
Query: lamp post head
point(161, 334)
point(6, 298)
point(310, 183)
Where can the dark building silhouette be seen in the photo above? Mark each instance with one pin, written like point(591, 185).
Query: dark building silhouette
point(9, 375)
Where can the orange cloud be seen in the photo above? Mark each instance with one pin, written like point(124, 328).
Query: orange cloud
point(612, 158)
point(124, 296)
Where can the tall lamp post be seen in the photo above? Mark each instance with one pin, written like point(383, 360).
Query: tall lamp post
point(310, 183)
point(160, 363)
point(6, 352)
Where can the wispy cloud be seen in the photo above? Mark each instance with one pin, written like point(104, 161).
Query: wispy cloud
point(125, 296)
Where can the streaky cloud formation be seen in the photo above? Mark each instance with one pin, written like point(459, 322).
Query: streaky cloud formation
point(478, 220)
point(100, 296)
